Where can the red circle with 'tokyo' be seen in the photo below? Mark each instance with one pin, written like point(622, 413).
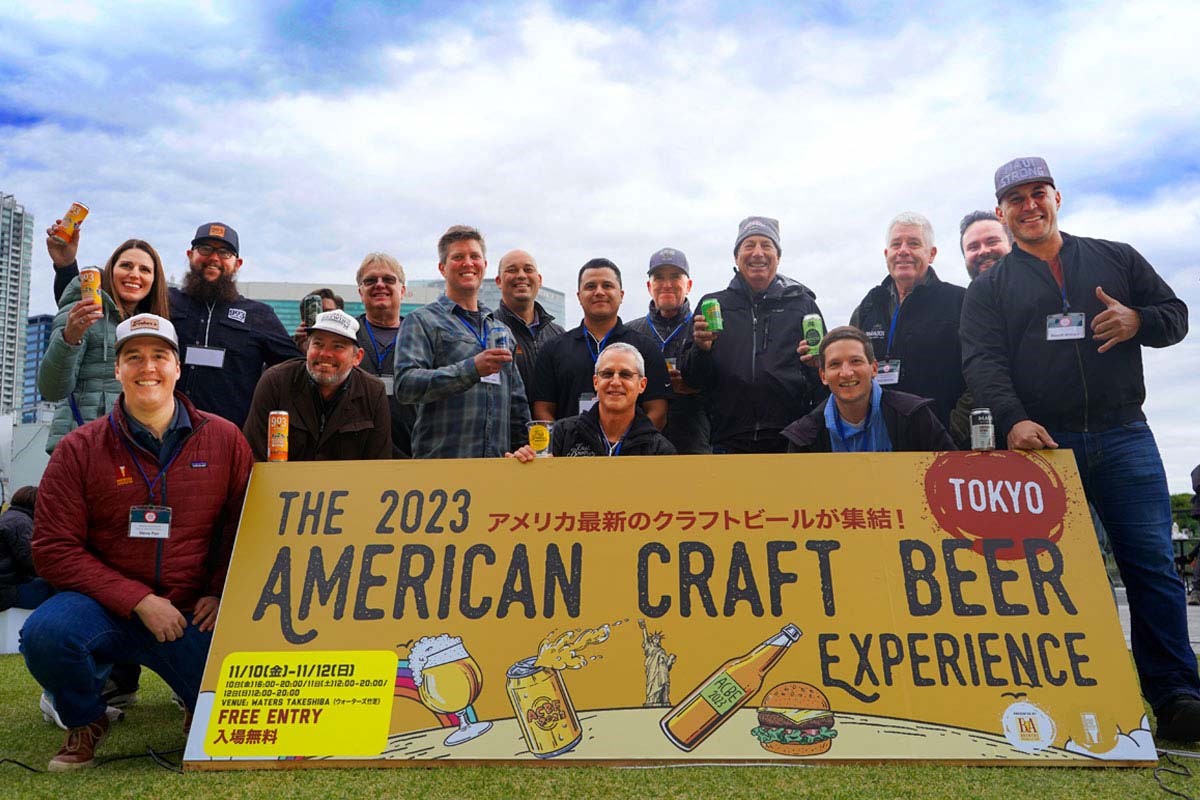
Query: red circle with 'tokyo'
point(957, 483)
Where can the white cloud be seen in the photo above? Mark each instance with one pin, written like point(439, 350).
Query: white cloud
point(578, 137)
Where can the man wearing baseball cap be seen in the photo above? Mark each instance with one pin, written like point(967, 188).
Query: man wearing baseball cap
point(757, 371)
point(668, 324)
point(336, 411)
point(1052, 341)
point(225, 339)
point(134, 526)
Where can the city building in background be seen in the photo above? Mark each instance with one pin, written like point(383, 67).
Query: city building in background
point(34, 408)
point(16, 255)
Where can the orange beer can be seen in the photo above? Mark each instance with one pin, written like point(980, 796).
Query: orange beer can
point(89, 285)
point(64, 229)
point(277, 436)
point(544, 709)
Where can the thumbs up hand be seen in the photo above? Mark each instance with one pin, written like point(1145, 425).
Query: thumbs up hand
point(1115, 324)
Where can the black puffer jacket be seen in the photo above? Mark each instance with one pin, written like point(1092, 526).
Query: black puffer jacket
point(581, 436)
point(1065, 385)
point(911, 425)
point(752, 373)
point(926, 339)
point(16, 557)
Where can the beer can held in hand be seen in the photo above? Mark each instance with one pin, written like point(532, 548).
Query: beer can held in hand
point(277, 436)
point(710, 309)
point(310, 306)
point(64, 229)
point(89, 285)
point(814, 332)
point(498, 338)
point(983, 432)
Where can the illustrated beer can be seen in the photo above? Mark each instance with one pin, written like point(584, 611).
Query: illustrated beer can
point(710, 309)
point(310, 306)
point(498, 338)
point(543, 708)
point(983, 433)
point(65, 228)
point(814, 331)
point(89, 284)
point(277, 436)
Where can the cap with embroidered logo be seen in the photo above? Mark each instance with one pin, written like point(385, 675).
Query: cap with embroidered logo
point(336, 321)
point(147, 325)
point(217, 231)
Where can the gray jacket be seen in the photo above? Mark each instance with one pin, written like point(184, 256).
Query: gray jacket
point(83, 372)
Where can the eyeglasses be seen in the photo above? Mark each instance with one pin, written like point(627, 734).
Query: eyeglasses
point(371, 280)
point(625, 375)
point(207, 250)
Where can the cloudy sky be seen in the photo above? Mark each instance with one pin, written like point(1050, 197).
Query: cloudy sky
point(324, 130)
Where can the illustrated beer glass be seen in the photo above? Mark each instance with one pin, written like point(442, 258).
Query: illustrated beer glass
point(448, 681)
point(543, 708)
point(723, 692)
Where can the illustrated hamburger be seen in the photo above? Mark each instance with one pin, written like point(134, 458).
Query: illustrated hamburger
point(795, 720)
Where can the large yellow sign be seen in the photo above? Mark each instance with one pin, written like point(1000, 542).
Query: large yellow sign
point(743, 608)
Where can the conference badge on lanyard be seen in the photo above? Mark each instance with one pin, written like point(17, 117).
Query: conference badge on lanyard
point(1060, 327)
point(150, 522)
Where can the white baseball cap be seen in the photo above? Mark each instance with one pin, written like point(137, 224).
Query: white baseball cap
point(147, 325)
point(336, 321)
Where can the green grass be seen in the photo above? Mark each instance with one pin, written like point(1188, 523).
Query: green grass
point(156, 723)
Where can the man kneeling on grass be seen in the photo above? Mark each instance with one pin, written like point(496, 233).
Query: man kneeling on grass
point(134, 526)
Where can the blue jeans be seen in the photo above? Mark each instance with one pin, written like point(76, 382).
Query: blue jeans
point(1124, 480)
point(70, 640)
point(32, 594)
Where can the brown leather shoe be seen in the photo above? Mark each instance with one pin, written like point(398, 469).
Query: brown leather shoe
point(80, 750)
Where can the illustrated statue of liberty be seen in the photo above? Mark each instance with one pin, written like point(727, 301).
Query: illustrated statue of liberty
point(658, 668)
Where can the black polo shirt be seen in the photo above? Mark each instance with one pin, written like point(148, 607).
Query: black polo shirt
point(565, 365)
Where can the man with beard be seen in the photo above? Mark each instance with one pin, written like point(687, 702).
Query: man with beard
point(336, 412)
point(225, 338)
point(1052, 340)
point(984, 240)
point(668, 324)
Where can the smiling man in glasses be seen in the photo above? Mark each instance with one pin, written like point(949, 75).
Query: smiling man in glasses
point(382, 287)
point(615, 425)
point(225, 339)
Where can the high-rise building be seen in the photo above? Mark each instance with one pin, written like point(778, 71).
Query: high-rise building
point(16, 255)
point(34, 408)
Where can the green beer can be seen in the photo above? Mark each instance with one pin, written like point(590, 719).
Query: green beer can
point(814, 332)
point(710, 309)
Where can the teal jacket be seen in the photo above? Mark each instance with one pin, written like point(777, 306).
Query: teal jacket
point(84, 372)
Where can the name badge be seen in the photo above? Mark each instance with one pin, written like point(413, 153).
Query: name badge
point(197, 356)
point(494, 378)
point(586, 401)
point(1060, 327)
point(889, 372)
point(389, 383)
point(150, 522)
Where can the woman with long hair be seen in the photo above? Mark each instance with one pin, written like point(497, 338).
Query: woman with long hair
point(78, 368)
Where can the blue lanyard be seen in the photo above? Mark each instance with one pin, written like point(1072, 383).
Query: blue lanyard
point(138, 463)
point(588, 339)
point(663, 342)
point(479, 337)
point(379, 357)
point(891, 333)
point(615, 449)
point(1063, 289)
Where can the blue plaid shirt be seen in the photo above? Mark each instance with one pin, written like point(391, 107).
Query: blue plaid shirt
point(458, 416)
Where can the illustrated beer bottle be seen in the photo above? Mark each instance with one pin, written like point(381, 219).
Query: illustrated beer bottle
point(723, 692)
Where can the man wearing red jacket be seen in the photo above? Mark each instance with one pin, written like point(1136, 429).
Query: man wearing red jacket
point(134, 528)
